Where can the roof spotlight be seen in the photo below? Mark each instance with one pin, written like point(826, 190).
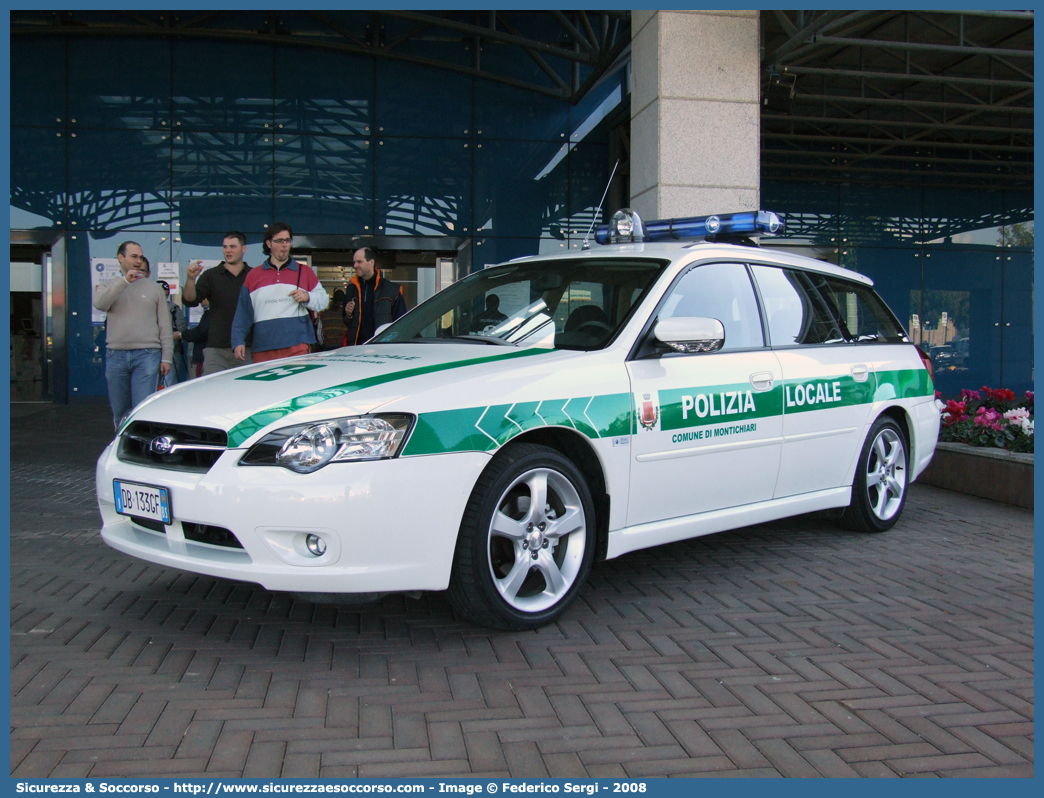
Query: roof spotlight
point(626, 227)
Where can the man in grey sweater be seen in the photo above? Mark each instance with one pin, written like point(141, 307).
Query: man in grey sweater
point(139, 339)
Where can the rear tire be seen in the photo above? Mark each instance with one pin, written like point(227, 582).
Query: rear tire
point(526, 542)
point(880, 485)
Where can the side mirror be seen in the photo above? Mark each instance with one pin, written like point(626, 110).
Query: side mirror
point(691, 334)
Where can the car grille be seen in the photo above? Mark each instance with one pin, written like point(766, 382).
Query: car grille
point(174, 446)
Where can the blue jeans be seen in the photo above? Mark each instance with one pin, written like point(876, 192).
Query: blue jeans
point(178, 371)
point(132, 375)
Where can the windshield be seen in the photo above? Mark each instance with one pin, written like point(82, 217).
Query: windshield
point(560, 304)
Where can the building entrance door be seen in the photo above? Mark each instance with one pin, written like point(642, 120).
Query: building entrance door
point(421, 273)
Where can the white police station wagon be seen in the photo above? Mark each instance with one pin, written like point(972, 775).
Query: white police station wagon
point(670, 384)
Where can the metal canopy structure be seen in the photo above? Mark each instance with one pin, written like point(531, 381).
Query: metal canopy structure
point(932, 98)
point(571, 49)
point(883, 96)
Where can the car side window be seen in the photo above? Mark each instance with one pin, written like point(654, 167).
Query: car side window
point(865, 317)
point(796, 313)
point(719, 291)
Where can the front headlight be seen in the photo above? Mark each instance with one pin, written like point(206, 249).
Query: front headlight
point(308, 447)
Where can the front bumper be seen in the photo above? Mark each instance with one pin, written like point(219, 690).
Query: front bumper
point(390, 525)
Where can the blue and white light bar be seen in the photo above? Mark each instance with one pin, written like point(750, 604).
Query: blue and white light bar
point(626, 226)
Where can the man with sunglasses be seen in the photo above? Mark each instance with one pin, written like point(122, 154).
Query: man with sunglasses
point(275, 300)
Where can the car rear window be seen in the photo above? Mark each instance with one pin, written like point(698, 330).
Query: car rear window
point(864, 316)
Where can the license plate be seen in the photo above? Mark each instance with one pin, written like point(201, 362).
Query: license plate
point(143, 501)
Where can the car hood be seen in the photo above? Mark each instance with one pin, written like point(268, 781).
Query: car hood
point(251, 399)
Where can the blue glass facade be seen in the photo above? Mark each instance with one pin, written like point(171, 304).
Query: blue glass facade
point(174, 142)
point(955, 266)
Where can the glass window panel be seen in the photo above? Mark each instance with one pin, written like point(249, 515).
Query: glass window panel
point(965, 284)
point(222, 86)
point(490, 251)
point(962, 217)
point(1019, 235)
point(719, 291)
point(222, 181)
point(38, 81)
point(587, 118)
point(323, 91)
point(506, 112)
point(521, 189)
point(324, 184)
point(416, 100)
point(811, 212)
point(796, 313)
point(880, 215)
point(589, 170)
point(119, 180)
point(423, 186)
point(37, 178)
point(119, 82)
point(1017, 324)
point(1018, 211)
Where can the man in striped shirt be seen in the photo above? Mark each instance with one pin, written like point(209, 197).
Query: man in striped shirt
point(275, 300)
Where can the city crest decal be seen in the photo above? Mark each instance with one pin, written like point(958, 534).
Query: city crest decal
point(647, 410)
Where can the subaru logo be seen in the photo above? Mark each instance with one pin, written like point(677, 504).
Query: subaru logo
point(162, 444)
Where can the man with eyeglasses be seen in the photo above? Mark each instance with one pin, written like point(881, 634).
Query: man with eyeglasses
point(274, 301)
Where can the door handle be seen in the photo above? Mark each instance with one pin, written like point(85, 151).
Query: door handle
point(761, 381)
point(860, 373)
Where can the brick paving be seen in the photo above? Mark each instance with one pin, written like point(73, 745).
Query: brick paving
point(786, 649)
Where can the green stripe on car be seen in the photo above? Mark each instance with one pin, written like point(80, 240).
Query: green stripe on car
point(484, 429)
point(258, 421)
point(487, 428)
point(903, 384)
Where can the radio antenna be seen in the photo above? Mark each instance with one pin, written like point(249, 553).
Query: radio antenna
point(598, 213)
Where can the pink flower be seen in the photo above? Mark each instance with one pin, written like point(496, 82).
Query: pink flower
point(1029, 396)
point(987, 418)
point(1020, 418)
point(967, 395)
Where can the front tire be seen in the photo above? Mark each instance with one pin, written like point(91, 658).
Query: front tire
point(880, 485)
point(526, 541)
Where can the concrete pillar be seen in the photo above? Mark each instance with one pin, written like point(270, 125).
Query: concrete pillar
point(695, 113)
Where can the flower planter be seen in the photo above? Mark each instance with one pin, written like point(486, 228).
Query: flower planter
point(995, 474)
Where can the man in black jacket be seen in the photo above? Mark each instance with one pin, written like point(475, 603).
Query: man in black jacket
point(221, 286)
point(370, 300)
